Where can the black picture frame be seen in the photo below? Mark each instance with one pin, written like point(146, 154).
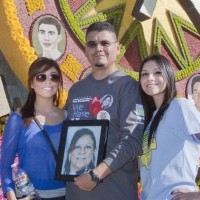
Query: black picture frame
point(77, 156)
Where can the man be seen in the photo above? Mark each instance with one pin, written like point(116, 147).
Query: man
point(195, 85)
point(118, 171)
point(49, 35)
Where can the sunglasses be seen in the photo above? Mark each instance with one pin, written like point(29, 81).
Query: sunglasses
point(103, 43)
point(42, 77)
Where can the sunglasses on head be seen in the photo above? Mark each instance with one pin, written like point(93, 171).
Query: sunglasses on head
point(53, 77)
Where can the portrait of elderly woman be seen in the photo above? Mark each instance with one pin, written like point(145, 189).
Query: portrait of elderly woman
point(81, 153)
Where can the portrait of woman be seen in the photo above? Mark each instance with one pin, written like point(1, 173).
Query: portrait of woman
point(106, 101)
point(81, 153)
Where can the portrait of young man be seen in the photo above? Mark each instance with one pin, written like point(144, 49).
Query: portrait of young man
point(48, 37)
point(193, 90)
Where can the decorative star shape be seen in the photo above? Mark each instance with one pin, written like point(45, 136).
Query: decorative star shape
point(127, 18)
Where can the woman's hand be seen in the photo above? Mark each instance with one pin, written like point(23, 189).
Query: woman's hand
point(11, 195)
point(181, 194)
point(27, 198)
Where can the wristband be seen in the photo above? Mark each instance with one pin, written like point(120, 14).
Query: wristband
point(94, 178)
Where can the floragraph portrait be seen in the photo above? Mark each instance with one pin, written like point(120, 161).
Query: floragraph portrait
point(48, 37)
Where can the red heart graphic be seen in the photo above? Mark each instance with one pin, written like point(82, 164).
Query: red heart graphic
point(95, 106)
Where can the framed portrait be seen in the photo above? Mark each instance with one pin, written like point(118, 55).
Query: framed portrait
point(82, 147)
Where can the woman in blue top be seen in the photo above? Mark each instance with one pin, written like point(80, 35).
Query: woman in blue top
point(171, 147)
point(22, 135)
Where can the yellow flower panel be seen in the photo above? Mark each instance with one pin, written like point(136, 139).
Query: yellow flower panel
point(71, 68)
point(33, 6)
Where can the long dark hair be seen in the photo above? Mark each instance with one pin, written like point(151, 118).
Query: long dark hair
point(170, 92)
point(40, 65)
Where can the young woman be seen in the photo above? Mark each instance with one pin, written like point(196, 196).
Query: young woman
point(22, 135)
point(170, 159)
